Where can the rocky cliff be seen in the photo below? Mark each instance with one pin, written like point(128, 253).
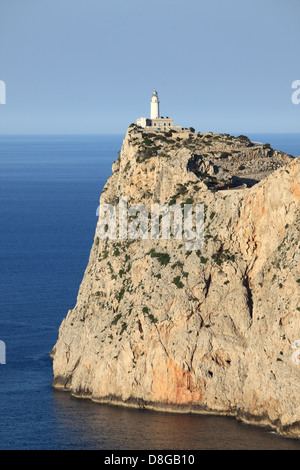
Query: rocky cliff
point(209, 330)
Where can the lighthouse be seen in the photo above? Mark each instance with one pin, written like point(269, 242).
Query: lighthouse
point(156, 122)
point(154, 111)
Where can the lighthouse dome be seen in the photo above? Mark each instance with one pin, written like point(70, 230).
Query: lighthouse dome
point(154, 96)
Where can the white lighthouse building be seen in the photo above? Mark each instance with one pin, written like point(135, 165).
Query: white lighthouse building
point(154, 110)
point(155, 121)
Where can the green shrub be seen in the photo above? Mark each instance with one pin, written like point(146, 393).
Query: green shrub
point(244, 138)
point(152, 318)
point(178, 264)
point(222, 256)
point(121, 294)
point(225, 154)
point(116, 319)
point(189, 200)
point(178, 282)
point(163, 258)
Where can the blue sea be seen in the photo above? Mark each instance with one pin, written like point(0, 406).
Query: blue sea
point(49, 193)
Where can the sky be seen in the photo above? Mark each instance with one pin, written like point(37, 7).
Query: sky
point(90, 66)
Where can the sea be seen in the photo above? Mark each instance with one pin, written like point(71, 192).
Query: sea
point(49, 193)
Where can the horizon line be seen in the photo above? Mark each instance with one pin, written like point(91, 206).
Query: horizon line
point(121, 133)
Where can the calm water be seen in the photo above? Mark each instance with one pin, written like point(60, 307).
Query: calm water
point(49, 192)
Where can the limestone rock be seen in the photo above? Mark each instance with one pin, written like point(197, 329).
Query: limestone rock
point(209, 330)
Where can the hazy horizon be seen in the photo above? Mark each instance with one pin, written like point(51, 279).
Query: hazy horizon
point(123, 133)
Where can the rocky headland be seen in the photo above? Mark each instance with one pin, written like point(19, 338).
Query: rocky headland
point(211, 330)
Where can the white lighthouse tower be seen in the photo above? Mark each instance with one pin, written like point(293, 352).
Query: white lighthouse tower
point(156, 122)
point(154, 112)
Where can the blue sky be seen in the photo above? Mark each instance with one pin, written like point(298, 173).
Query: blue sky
point(90, 66)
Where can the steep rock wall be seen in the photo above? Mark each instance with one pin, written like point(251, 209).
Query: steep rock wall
point(207, 330)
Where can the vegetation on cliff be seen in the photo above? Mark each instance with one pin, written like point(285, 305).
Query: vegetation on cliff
point(203, 330)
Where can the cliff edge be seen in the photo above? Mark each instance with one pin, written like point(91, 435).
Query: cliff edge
point(210, 330)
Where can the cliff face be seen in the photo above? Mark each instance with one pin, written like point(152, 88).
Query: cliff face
point(209, 330)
